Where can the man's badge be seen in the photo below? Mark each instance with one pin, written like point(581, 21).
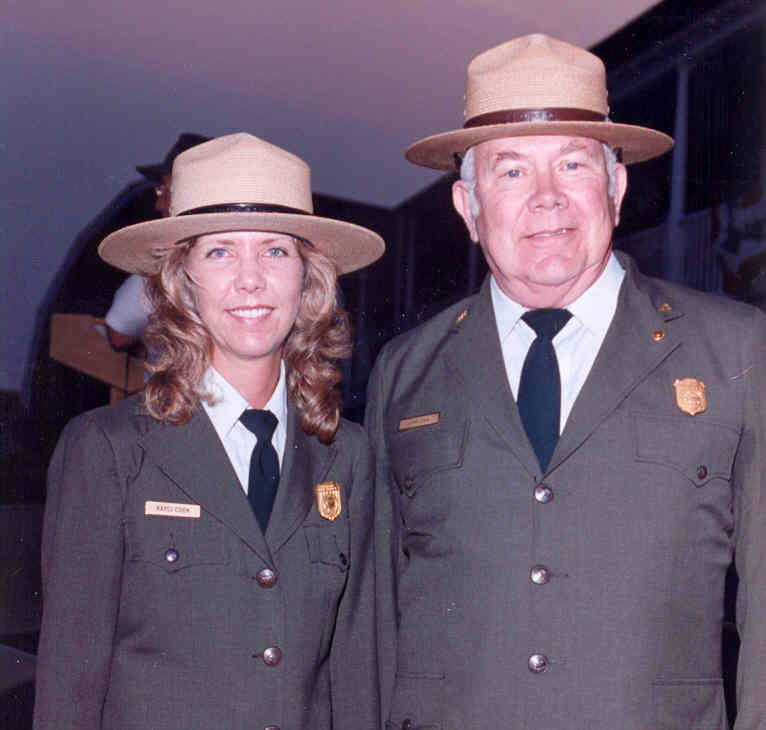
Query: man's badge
point(690, 395)
point(328, 499)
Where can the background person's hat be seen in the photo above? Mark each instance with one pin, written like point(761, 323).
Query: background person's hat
point(536, 85)
point(185, 141)
point(239, 183)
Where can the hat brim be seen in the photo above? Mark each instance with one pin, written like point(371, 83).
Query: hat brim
point(141, 247)
point(154, 172)
point(637, 143)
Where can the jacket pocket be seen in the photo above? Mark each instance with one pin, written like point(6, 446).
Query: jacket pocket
point(418, 701)
point(419, 453)
point(175, 544)
point(325, 546)
point(697, 449)
point(689, 704)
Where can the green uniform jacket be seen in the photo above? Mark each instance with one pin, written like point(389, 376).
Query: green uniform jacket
point(156, 622)
point(604, 575)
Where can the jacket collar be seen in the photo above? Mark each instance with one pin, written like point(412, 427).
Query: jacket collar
point(192, 456)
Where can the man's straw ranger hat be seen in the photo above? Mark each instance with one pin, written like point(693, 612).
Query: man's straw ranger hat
point(536, 85)
point(239, 183)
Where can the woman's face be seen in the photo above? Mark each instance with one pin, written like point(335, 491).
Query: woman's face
point(247, 286)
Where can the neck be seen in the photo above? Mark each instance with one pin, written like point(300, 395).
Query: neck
point(255, 380)
point(544, 296)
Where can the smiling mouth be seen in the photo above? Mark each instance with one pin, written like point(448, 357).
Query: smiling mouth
point(551, 234)
point(250, 312)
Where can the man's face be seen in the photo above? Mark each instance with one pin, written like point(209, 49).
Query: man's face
point(545, 216)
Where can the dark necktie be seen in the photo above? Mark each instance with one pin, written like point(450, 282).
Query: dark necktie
point(539, 397)
point(264, 464)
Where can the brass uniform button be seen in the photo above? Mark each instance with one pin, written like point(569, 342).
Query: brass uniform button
point(539, 575)
point(701, 472)
point(272, 656)
point(266, 578)
point(543, 493)
point(658, 335)
point(172, 555)
point(538, 663)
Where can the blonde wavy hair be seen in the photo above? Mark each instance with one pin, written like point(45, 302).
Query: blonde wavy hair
point(182, 348)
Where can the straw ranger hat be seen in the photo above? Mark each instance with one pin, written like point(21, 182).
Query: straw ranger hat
point(536, 85)
point(239, 183)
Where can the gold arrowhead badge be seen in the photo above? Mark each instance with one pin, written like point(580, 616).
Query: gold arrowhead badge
point(690, 396)
point(328, 499)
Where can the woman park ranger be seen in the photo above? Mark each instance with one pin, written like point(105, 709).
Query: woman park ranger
point(206, 555)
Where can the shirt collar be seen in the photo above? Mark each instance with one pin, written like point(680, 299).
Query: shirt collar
point(594, 308)
point(229, 404)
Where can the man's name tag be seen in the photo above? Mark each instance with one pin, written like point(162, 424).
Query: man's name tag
point(428, 419)
point(171, 509)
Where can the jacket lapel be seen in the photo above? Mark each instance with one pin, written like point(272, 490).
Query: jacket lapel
point(475, 358)
point(305, 463)
point(627, 356)
point(193, 457)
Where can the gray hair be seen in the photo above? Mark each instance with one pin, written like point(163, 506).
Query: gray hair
point(468, 175)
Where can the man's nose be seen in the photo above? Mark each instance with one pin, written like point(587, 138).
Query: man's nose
point(547, 194)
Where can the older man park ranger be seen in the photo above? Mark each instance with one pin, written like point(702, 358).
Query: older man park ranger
point(571, 458)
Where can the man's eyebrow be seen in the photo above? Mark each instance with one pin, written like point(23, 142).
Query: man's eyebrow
point(502, 156)
point(575, 146)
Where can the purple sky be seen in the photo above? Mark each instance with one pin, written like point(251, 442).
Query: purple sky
point(90, 89)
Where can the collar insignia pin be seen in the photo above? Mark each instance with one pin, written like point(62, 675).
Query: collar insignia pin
point(328, 499)
point(690, 395)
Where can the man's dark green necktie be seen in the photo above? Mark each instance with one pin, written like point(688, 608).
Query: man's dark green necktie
point(539, 397)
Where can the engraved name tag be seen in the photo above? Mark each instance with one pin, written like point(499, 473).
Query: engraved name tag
point(171, 509)
point(429, 419)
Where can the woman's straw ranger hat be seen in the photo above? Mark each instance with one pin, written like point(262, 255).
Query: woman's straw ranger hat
point(239, 183)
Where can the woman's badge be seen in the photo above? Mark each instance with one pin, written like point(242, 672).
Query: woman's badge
point(328, 499)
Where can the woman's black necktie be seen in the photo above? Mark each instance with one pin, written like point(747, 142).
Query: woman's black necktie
point(539, 398)
point(264, 464)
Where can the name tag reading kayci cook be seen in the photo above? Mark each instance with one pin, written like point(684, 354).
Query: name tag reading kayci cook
point(172, 509)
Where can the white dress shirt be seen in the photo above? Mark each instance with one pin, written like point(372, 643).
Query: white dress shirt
point(576, 345)
point(228, 406)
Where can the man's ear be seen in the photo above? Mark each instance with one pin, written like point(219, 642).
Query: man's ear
point(461, 199)
point(620, 188)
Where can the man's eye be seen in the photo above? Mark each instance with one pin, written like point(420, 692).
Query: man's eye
point(572, 165)
point(515, 172)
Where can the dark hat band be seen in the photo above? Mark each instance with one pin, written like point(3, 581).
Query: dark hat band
point(244, 208)
point(517, 116)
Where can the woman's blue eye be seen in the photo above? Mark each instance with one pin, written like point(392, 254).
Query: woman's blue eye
point(216, 253)
point(277, 251)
